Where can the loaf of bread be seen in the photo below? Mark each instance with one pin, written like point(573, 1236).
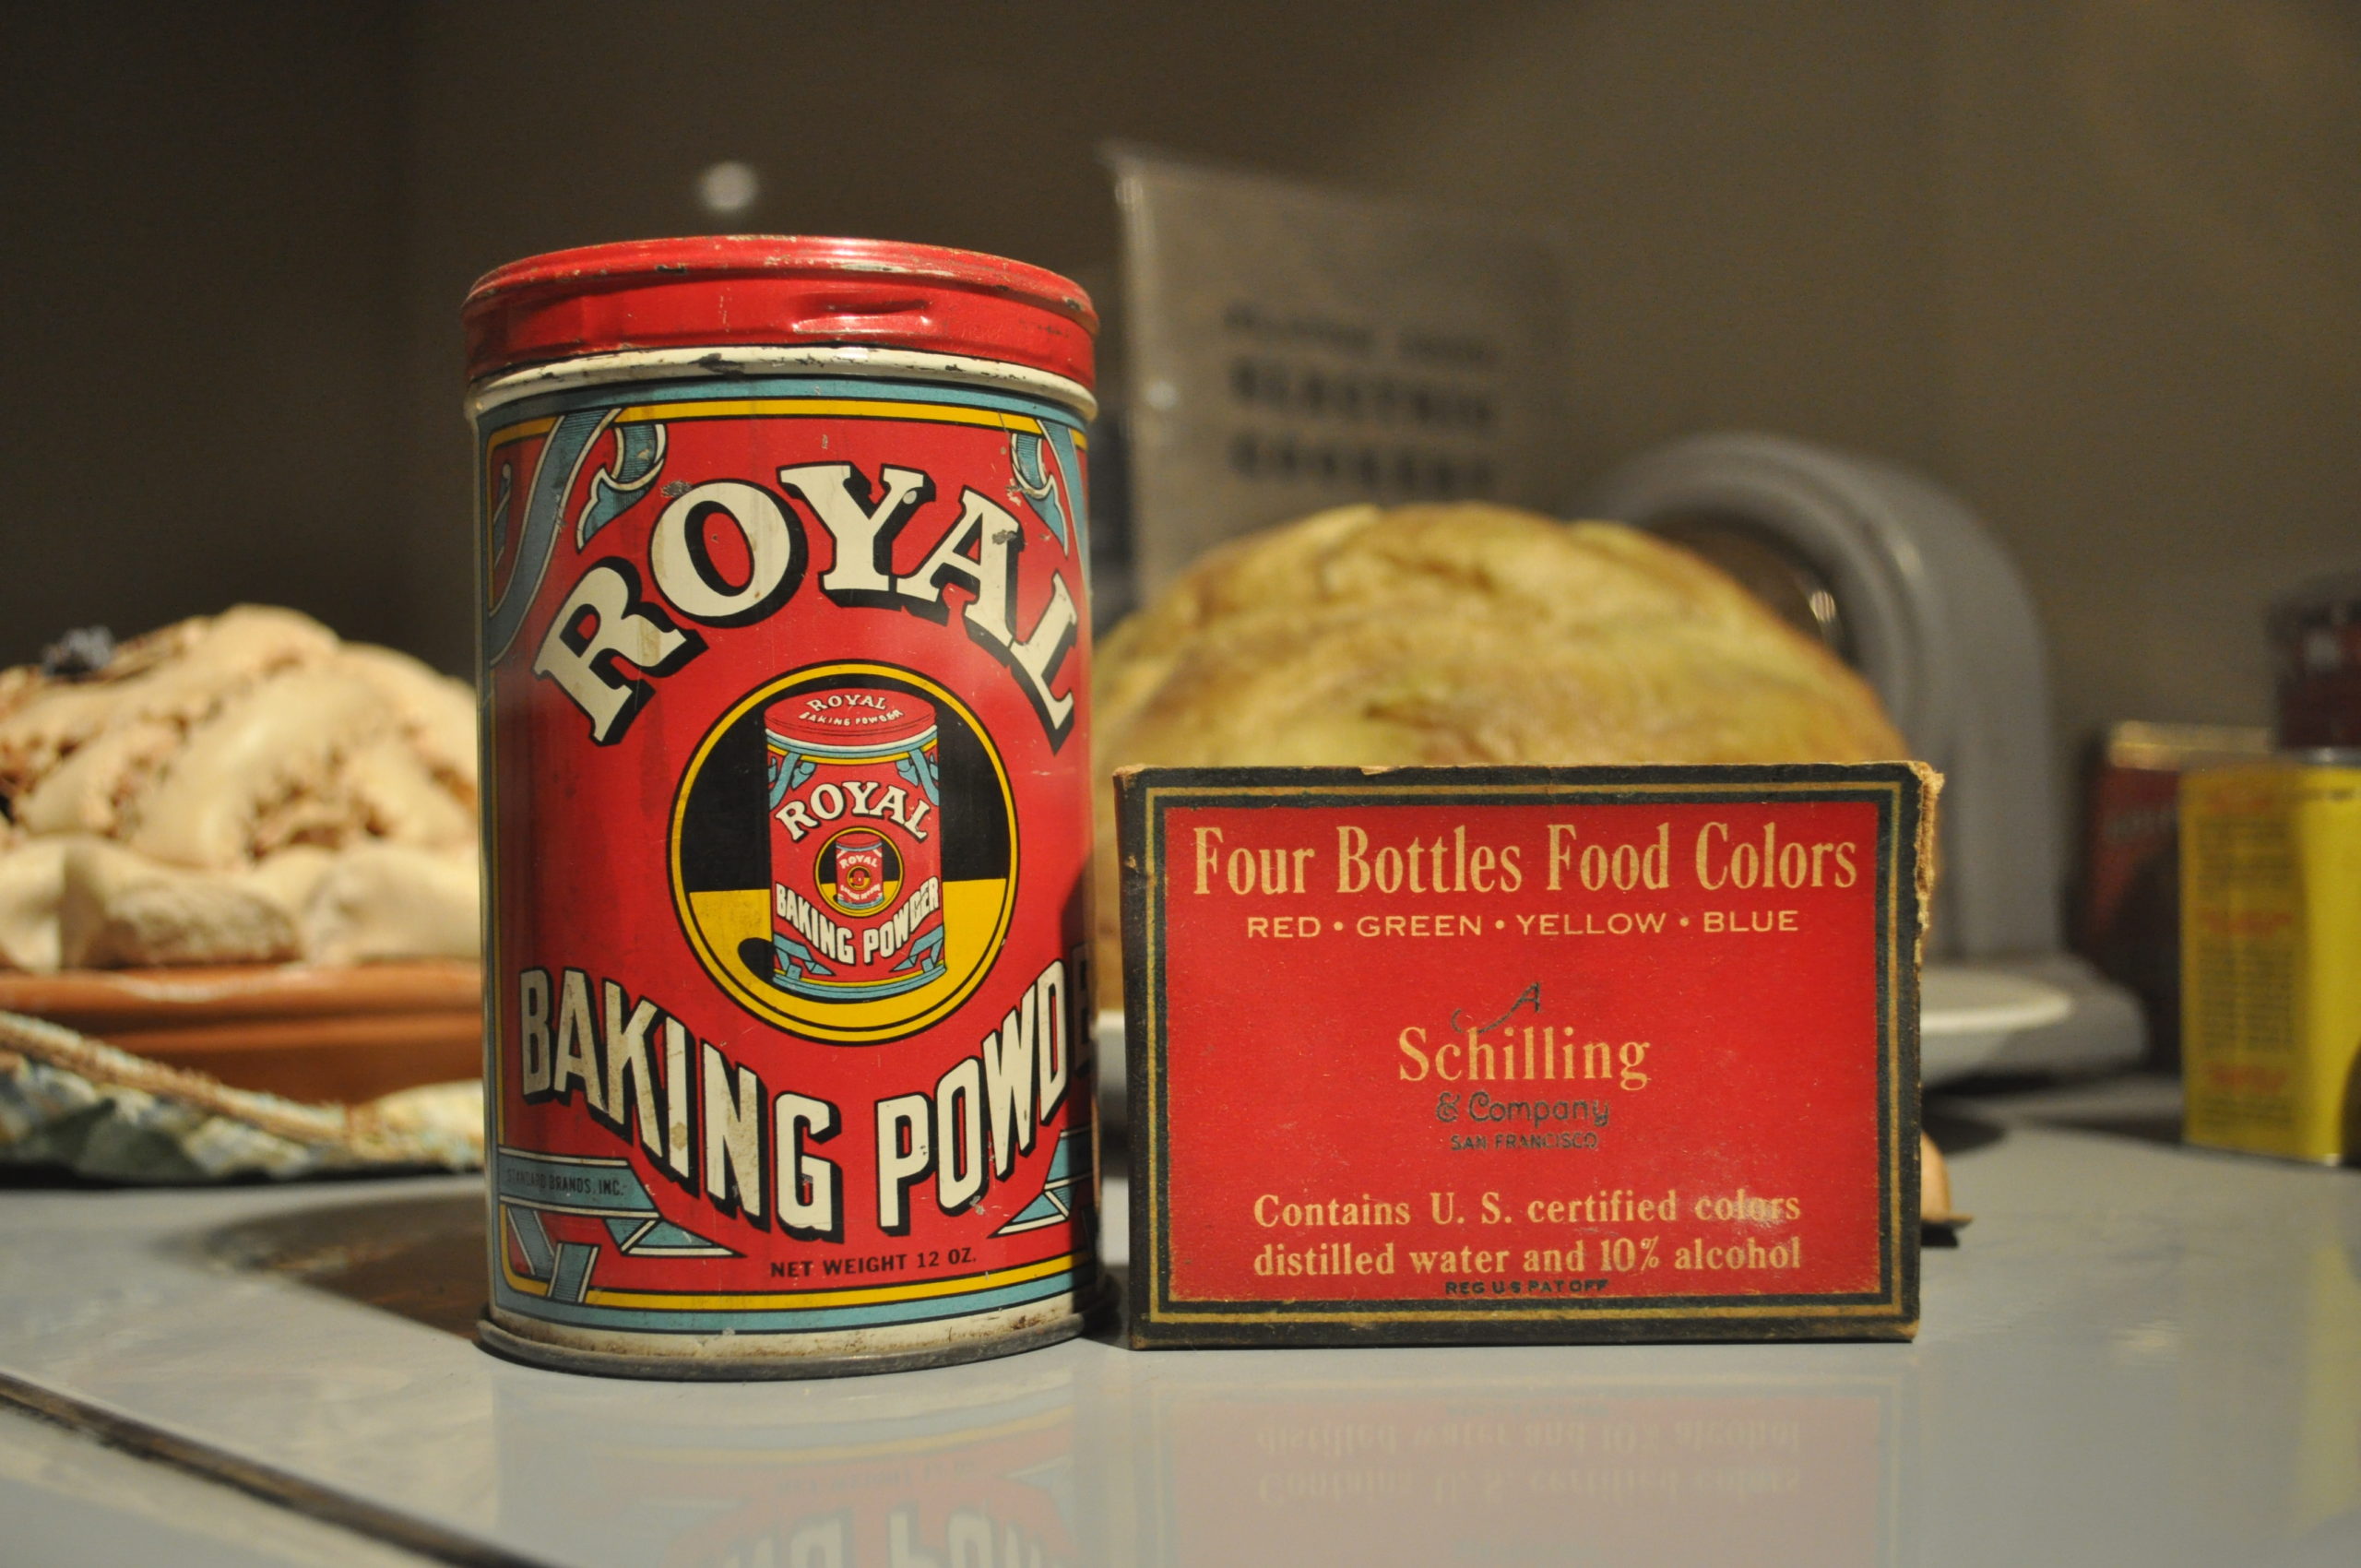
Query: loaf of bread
point(1458, 634)
point(241, 787)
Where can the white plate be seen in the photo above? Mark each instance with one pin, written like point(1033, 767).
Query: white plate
point(1967, 1016)
point(2052, 1015)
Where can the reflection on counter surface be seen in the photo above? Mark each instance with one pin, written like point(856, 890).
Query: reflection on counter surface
point(977, 1471)
point(2281, 1451)
point(1087, 1457)
point(1247, 1468)
point(2138, 1353)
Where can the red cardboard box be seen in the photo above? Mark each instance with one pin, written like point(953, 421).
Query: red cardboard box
point(1477, 1055)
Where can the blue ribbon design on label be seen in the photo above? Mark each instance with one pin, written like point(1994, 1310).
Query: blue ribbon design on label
point(794, 961)
point(496, 530)
point(639, 456)
point(568, 444)
point(1029, 456)
point(788, 769)
point(532, 1185)
point(1068, 1170)
point(919, 767)
point(925, 954)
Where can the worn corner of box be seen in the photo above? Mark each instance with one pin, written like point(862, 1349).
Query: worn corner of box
point(1930, 791)
point(1926, 857)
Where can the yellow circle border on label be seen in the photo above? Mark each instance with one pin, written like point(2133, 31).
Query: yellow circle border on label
point(775, 1010)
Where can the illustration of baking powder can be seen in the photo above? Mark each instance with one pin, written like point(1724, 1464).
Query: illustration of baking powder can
point(787, 806)
point(856, 880)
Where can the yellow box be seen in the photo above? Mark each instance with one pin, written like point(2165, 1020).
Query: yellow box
point(2270, 959)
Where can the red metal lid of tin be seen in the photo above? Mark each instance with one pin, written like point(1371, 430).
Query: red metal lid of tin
point(849, 718)
point(720, 291)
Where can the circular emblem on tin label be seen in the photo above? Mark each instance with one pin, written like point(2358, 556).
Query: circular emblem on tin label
point(844, 852)
point(859, 871)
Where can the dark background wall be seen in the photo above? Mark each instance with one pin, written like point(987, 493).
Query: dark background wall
point(200, 277)
point(2095, 263)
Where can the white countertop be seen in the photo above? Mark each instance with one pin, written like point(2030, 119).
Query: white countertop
point(2139, 1354)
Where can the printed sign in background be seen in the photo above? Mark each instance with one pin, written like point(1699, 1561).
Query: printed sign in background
point(1293, 348)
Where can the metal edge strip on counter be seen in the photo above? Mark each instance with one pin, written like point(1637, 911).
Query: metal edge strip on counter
point(270, 1484)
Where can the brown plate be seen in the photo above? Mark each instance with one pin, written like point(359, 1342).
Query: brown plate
point(333, 1033)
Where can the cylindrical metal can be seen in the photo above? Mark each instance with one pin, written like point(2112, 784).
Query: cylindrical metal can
point(787, 811)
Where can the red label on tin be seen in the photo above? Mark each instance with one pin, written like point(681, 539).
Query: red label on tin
point(787, 820)
point(1457, 1050)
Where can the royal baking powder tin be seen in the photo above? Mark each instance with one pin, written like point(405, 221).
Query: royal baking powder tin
point(787, 816)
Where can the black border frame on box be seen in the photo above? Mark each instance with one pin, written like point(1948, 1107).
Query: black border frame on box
point(1902, 793)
